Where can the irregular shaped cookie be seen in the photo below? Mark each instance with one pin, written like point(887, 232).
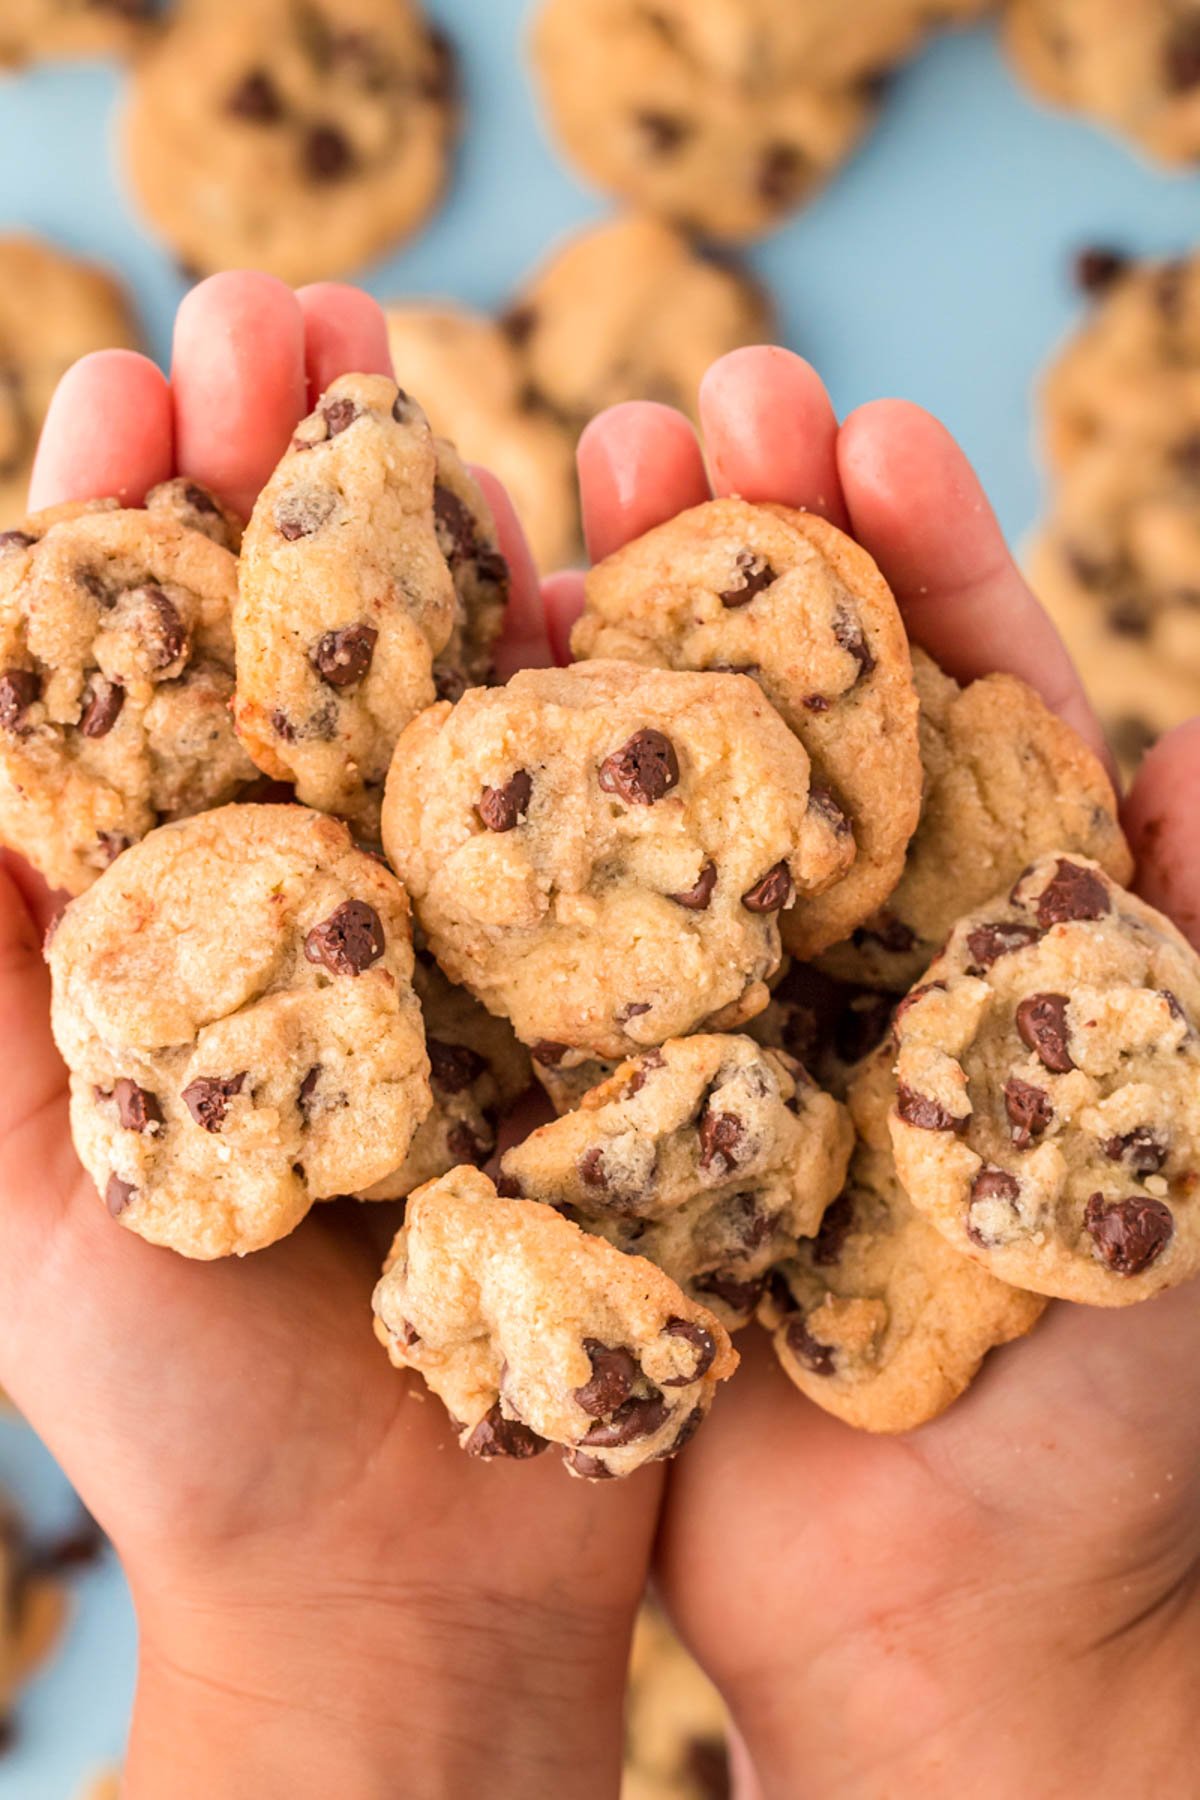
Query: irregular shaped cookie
point(709, 1156)
point(1047, 1118)
point(474, 387)
point(54, 308)
point(534, 1333)
point(631, 310)
point(234, 1001)
point(476, 1070)
point(602, 853)
point(875, 1316)
point(302, 139)
point(370, 553)
point(1005, 781)
point(116, 676)
point(675, 1720)
point(794, 603)
point(829, 1026)
point(1135, 68)
point(32, 1612)
point(31, 30)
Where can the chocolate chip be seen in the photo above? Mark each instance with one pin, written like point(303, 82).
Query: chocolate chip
point(987, 943)
point(503, 808)
point(101, 707)
point(308, 1088)
point(850, 635)
point(1097, 267)
point(19, 688)
point(207, 1098)
point(684, 1435)
point(1129, 1234)
point(339, 415)
point(926, 1114)
point(548, 1053)
point(754, 573)
point(889, 932)
point(1140, 1149)
point(720, 1135)
point(822, 802)
point(343, 657)
point(15, 540)
point(465, 1147)
point(1042, 1024)
point(590, 1467)
point(284, 727)
point(167, 630)
point(1181, 55)
point(448, 684)
point(862, 1025)
point(456, 530)
point(113, 843)
point(642, 770)
point(818, 1358)
point(118, 1195)
point(781, 173)
point(772, 892)
point(638, 1417)
point(614, 1373)
point(635, 1010)
point(348, 941)
point(652, 1060)
point(702, 1341)
point(740, 1296)
point(453, 1067)
point(1072, 893)
point(696, 898)
point(200, 500)
point(497, 1436)
point(706, 1766)
point(835, 1228)
point(256, 99)
point(591, 1168)
point(137, 1108)
point(1029, 1110)
point(660, 132)
point(303, 512)
point(327, 153)
point(509, 1188)
point(991, 1184)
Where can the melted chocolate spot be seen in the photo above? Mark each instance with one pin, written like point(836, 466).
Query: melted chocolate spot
point(502, 808)
point(1042, 1024)
point(348, 941)
point(1129, 1234)
point(643, 770)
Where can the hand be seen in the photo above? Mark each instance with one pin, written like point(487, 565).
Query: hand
point(1005, 1601)
point(332, 1599)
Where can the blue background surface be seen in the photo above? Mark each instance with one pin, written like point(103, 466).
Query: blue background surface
point(935, 267)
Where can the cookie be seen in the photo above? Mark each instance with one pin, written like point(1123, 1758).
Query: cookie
point(875, 1316)
point(1135, 68)
point(602, 853)
point(300, 139)
point(1117, 567)
point(54, 309)
point(196, 507)
point(32, 1613)
point(829, 1026)
point(533, 1332)
point(116, 676)
point(675, 1720)
point(32, 30)
point(1004, 782)
point(476, 1070)
point(709, 1156)
point(791, 601)
point(473, 385)
point(370, 581)
point(1047, 1117)
point(630, 310)
point(234, 1002)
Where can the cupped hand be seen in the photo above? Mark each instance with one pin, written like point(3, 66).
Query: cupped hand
point(313, 1560)
point(1002, 1602)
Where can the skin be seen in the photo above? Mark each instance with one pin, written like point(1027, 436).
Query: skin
point(331, 1598)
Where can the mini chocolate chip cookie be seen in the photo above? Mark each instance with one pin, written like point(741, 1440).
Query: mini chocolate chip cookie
point(602, 853)
point(370, 582)
point(1047, 1113)
point(710, 1156)
point(675, 1720)
point(198, 509)
point(116, 676)
point(234, 1001)
point(533, 1332)
point(875, 1316)
point(54, 309)
point(1005, 782)
point(31, 30)
point(790, 601)
point(32, 1612)
point(302, 139)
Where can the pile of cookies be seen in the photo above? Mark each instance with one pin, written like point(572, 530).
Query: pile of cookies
point(824, 961)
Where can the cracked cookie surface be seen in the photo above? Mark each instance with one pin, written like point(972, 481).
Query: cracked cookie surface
point(234, 1001)
point(532, 1332)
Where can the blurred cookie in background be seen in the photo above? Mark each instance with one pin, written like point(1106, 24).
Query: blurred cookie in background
point(33, 30)
point(32, 1614)
point(472, 384)
point(1133, 65)
point(54, 308)
point(675, 1721)
point(303, 140)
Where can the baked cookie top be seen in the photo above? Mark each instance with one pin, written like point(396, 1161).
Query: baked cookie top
point(532, 1332)
point(234, 1001)
point(370, 581)
point(1047, 1117)
point(709, 1156)
point(787, 599)
point(116, 676)
point(302, 139)
point(602, 853)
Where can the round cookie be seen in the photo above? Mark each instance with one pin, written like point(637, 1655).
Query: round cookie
point(675, 1720)
point(1004, 782)
point(32, 1613)
point(788, 599)
point(473, 386)
point(1047, 1117)
point(116, 676)
point(602, 853)
point(630, 310)
point(875, 1316)
point(32, 30)
point(709, 1156)
point(54, 309)
point(369, 581)
point(1135, 68)
point(303, 140)
point(532, 1332)
point(234, 1001)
